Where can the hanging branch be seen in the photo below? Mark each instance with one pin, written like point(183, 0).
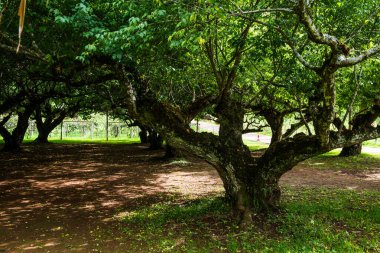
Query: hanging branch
point(21, 13)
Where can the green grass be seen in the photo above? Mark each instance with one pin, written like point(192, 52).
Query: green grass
point(254, 145)
point(95, 141)
point(86, 141)
point(331, 160)
point(312, 220)
point(372, 143)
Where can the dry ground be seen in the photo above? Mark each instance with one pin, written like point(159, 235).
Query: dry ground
point(64, 198)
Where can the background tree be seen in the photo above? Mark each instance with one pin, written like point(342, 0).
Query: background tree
point(51, 113)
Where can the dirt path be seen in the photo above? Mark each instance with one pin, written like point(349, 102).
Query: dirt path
point(63, 198)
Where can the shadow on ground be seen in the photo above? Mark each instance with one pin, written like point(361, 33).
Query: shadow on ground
point(65, 197)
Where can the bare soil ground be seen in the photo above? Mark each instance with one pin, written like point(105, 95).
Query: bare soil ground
point(64, 198)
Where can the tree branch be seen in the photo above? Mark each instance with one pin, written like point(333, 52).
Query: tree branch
point(349, 138)
point(350, 61)
point(23, 51)
point(263, 10)
point(237, 57)
point(198, 105)
point(291, 45)
point(293, 128)
point(32, 54)
point(313, 32)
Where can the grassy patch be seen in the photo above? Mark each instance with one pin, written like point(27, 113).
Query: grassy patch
point(255, 145)
point(95, 141)
point(313, 220)
point(331, 160)
point(171, 226)
point(86, 141)
point(372, 143)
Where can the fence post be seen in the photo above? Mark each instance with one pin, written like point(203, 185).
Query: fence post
point(107, 126)
point(31, 128)
point(92, 130)
point(61, 137)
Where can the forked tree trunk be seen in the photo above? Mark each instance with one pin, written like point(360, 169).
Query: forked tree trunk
point(249, 188)
point(12, 141)
point(46, 127)
point(352, 150)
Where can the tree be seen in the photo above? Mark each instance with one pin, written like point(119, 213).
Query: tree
point(49, 114)
point(175, 60)
point(223, 43)
point(14, 138)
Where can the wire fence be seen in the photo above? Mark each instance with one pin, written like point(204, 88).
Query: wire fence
point(96, 128)
point(99, 127)
point(80, 129)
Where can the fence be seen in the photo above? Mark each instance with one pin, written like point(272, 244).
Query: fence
point(80, 129)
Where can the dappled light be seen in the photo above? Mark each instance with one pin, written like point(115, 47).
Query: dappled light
point(189, 126)
point(56, 190)
point(59, 195)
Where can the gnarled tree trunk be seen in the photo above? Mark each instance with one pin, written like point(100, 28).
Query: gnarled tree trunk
point(46, 127)
point(251, 184)
point(249, 188)
point(12, 141)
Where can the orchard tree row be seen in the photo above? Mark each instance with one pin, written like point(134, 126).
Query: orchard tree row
point(160, 64)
